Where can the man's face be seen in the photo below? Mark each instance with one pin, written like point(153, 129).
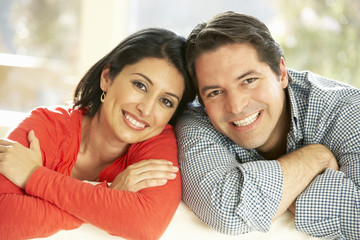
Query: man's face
point(243, 97)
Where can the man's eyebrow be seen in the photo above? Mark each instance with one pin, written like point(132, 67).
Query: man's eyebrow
point(247, 73)
point(206, 88)
point(148, 79)
point(145, 77)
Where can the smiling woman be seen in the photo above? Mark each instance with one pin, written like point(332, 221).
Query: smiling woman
point(116, 132)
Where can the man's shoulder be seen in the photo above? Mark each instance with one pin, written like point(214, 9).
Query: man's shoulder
point(323, 104)
point(194, 114)
point(321, 90)
point(308, 79)
point(195, 121)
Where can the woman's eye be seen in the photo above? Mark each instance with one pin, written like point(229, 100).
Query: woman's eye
point(168, 103)
point(140, 86)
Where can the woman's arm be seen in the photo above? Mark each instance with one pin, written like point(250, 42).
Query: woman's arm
point(143, 215)
point(24, 216)
point(132, 215)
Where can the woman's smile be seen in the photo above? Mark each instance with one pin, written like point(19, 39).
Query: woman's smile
point(133, 122)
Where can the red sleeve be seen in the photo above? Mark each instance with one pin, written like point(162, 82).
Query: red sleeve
point(141, 215)
point(23, 216)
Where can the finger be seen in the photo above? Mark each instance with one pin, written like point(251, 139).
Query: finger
point(150, 161)
point(3, 148)
point(6, 142)
point(33, 141)
point(149, 183)
point(156, 175)
point(151, 165)
point(154, 168)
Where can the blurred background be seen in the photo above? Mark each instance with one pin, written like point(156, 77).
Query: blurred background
point(47, 45)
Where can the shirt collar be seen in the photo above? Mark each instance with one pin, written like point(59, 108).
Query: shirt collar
point(295, 127)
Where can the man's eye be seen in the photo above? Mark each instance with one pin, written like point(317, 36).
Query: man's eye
point(140, 86)
point(214, 93)
point(250, 80)
point(168, 103)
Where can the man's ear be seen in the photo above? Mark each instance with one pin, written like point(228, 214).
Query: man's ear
point(105, 80)
point(284, 79)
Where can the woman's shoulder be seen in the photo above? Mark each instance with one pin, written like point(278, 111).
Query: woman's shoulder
point(48, 122)
point(166, 139)
point(168, 133)
point(168, 130)
point(55, 112)
point(60, 116)
point(162, 146)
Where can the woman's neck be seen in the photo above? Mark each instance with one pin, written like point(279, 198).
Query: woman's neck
point(98, 149)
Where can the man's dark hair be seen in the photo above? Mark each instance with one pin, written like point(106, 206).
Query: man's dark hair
point(228, 28)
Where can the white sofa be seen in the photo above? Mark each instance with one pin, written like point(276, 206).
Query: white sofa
point(184, 225)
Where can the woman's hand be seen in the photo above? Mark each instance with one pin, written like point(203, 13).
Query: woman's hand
point(18, 163)
point(144, 174)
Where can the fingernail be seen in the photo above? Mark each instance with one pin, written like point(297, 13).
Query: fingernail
point(175, 168)
point(172, 175)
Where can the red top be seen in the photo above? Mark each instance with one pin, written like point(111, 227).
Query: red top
point(53, 201)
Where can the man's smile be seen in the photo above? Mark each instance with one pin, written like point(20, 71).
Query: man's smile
point(246, 121)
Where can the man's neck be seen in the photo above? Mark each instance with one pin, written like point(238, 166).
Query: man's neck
point(280, 134)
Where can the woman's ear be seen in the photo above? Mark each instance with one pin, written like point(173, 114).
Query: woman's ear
point(105, 80)
point(283, 74)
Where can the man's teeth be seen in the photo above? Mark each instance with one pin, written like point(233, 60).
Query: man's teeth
point(247, 121)
point(134, 122)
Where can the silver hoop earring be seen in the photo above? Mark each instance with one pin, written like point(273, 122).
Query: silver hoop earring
point(102, 97)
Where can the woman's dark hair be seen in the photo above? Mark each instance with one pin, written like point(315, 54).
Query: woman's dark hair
point(228, 28)
point(151, 42)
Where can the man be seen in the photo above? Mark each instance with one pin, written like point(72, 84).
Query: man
point(266, 138)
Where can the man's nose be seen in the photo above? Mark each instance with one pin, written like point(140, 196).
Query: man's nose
point(236, 102)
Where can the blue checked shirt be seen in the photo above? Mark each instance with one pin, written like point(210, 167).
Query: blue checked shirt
point(236, 190)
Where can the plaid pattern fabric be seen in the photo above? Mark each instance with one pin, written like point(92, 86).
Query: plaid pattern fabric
point(236, 191)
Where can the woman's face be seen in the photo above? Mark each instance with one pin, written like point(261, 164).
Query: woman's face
point(141, 99)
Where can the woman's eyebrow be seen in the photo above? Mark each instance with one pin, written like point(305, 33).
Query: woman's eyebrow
point(145, 77)
point(174, 95)
point(148, 79)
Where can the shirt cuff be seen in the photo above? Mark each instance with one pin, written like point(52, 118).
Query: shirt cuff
point(261, 193)
point(328, 207)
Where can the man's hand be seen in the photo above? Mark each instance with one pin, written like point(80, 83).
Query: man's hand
point(144, 174)
point(18, 163)
point(299, 169)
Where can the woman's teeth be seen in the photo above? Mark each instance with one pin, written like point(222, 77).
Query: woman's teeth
point(134, 122)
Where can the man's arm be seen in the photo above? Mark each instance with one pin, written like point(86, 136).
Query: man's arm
point(329, 207)
point(299, 168)
point(233, 197)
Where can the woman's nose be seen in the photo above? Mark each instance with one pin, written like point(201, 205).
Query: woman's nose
point(146, 105)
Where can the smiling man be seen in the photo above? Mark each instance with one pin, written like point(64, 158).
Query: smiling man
point(265, 138)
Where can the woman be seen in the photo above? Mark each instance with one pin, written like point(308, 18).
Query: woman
point(117, 131)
